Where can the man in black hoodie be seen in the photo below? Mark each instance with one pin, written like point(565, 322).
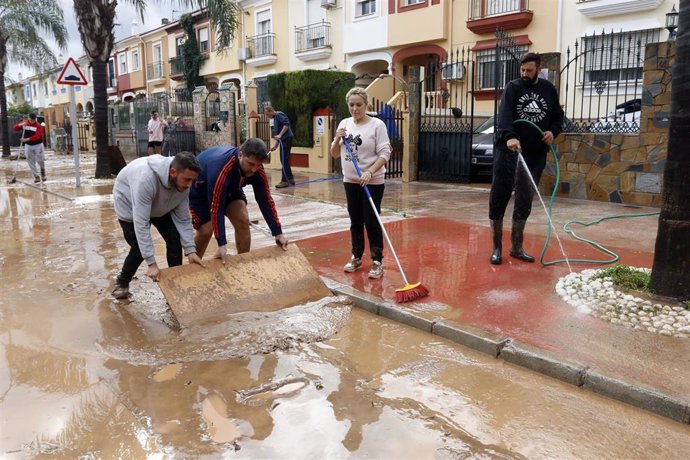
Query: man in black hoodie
point(534, 99)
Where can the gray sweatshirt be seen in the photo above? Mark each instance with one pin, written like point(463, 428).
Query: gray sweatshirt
point(142, 191)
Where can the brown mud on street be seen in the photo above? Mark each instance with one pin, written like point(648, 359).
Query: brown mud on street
point(84, 375)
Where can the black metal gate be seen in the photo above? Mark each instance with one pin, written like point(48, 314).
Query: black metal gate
point(393, 119)
point(447, 117)
point(447, 106)
point(177, 109)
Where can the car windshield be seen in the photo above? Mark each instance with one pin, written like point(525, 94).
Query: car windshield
point(486, 127)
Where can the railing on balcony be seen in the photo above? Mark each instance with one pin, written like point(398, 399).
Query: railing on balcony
point(261, 45)
point(312, 36)
point(155, 70)
point(176, 66)
point(484, 8)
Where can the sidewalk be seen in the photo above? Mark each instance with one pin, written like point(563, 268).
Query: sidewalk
point(512, 310)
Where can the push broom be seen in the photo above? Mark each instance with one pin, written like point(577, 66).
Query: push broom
point(409, 291)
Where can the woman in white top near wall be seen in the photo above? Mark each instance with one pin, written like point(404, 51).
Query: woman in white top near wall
point(368, 140)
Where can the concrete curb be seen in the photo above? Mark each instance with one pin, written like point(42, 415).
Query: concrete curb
point(527, 356)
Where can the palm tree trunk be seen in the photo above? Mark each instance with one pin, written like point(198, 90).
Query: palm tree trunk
point(100, 105)
point(671, 269)
point(4, 129)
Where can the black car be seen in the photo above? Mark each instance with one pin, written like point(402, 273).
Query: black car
point(483, 149)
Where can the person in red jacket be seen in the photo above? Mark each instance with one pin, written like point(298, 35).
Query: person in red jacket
point(32, 138)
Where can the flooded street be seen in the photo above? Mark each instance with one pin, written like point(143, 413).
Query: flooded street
point(84, 375)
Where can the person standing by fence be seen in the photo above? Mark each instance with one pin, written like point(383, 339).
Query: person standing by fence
point(32, 138)
point(282, 133)
point(155, 128)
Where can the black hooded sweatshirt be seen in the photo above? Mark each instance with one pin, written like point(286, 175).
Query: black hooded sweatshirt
point(537, 103)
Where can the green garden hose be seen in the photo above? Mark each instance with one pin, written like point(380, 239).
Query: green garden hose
point(614, 257)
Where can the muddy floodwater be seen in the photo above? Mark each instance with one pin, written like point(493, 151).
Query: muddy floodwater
point(85, 376)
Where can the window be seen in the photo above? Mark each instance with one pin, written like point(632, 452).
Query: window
point(45, 88)
point(122, 63)
point(483, 8)
point(263, 22)
point(111, 74)
point(33, 90)
point(614, 57)
point(135, 60)
point(507, 67)
point(365, 7)
point(179, 41)
point(264, 44)
point(412, 2)
point(262, 92)
point(203, 40)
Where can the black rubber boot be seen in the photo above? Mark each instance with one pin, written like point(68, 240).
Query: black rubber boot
point(517, 237)
point(497, 234)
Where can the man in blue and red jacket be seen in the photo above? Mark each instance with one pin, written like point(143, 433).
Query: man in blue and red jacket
point(218, 193)
point(32, 138)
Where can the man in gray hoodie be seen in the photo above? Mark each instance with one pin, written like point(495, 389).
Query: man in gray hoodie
point(155, 191)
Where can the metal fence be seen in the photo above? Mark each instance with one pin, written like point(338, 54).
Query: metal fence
point(393, 119)
point(445, 135)
point(313, 36)
point(601, 82)
point(261, 45)
point(479, 9)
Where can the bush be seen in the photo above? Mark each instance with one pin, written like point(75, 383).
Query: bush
point(627, 277)
point(299, 94)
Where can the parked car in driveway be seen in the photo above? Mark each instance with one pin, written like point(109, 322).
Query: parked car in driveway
point(625, 118)
point(482, 149)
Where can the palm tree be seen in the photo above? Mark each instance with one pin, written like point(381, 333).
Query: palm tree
point(671, 269)
point(96, 19)
point(21, 26)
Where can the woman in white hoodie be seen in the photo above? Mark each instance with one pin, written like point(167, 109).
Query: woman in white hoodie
point(368, 140)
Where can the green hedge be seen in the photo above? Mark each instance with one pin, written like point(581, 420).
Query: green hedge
point(298, 94)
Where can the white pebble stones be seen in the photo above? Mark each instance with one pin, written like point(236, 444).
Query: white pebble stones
point(599, 298)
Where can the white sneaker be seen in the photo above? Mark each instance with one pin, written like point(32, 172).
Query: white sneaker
point(376, 271)
point(353, 265)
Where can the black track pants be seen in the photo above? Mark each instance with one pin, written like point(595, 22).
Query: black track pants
point(362, 216)
point(505, 180)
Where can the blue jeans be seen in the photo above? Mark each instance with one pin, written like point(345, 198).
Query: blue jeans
point(166, 227)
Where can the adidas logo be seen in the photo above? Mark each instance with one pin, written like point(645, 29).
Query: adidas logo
point(532, 108)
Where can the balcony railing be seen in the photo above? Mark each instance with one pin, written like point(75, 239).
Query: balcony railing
point(155, 70)
point(261, 45)
point(313, 36)
point(484, 8)
point(176, 66)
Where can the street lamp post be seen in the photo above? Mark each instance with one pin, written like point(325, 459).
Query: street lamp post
point(672, 23)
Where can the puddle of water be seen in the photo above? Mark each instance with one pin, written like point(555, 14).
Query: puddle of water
point(168, 372)
point(219, 427)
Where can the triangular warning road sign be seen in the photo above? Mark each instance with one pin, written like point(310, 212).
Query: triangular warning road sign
point(71, 74)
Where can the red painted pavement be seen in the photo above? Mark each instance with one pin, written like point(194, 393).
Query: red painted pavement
point(516, 299)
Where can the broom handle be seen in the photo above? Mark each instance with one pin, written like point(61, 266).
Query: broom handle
point(376, 213)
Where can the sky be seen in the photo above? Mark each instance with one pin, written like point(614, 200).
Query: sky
point(155, 11)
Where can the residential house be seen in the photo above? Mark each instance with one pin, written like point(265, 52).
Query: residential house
point(604, 41)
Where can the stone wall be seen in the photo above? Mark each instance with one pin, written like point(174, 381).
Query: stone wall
point(621, 168)
point(227, 133)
